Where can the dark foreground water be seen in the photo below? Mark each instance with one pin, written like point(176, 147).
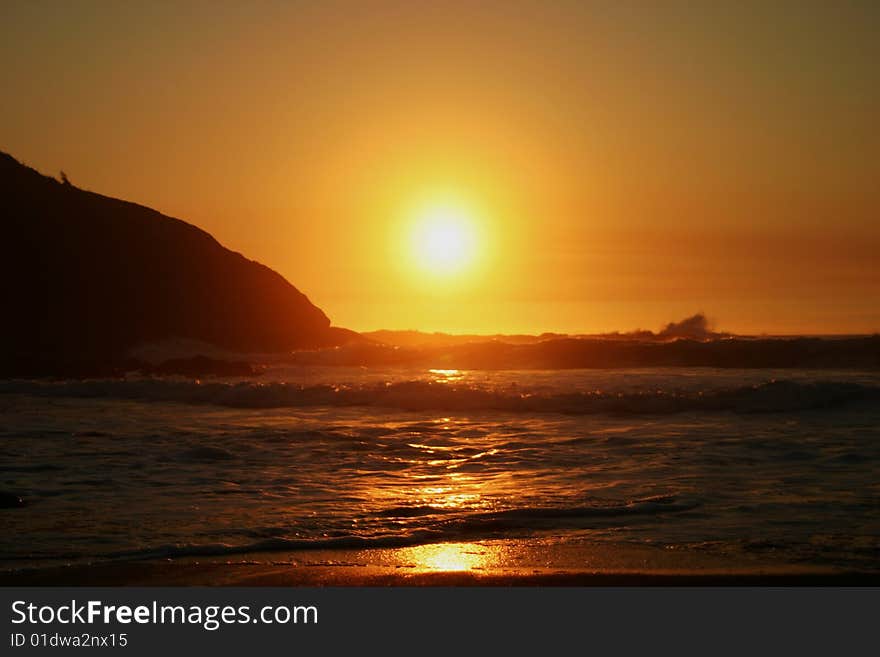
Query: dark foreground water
point(751, 464)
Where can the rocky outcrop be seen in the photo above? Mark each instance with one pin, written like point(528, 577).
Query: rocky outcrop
point(86, 278)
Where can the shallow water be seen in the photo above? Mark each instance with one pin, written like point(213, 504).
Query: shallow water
point(741, 463)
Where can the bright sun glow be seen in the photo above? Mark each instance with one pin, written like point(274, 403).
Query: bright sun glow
point(443, 239)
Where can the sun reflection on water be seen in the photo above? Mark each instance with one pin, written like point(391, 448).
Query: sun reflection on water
point(450, 557)
point(447, 376)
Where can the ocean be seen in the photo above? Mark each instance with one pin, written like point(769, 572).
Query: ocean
point(755, 466)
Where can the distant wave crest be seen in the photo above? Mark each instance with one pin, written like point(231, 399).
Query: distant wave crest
point(772, 396)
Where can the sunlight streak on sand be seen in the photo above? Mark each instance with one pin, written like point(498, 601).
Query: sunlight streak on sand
point(449, 557)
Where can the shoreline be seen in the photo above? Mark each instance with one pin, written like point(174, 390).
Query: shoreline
point(147, 574)
point(485, 563)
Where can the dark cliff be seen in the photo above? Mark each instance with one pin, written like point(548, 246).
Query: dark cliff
point(86, 277)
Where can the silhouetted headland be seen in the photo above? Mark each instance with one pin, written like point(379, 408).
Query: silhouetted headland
point(87, 278)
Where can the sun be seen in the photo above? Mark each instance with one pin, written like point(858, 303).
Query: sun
point(443, 239)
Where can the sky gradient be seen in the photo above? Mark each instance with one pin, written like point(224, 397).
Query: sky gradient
point(624, 163)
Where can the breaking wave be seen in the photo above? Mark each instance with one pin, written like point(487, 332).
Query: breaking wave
point(768, 397)
point(447, 525)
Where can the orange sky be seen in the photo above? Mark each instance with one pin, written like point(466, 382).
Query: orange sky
point(625, 164)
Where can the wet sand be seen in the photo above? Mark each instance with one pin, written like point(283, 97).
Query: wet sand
point(487, 563)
